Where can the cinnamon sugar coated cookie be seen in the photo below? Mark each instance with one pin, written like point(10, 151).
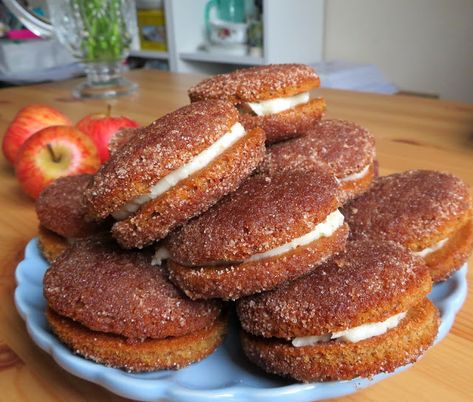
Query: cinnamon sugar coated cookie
point(269, 231)
point(51, 244)
point(61, 208)
point(361, 313)
point(172, 170)
point(61, 213)
point(274, 97)
point(121, 138)
point(96, 286)
point(248, 195)
point(428, 212)
point(347, 149)
point(147, 355)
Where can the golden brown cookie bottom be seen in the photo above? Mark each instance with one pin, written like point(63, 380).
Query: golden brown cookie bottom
point(51, 244)
point(289, 123)
point(148, 355)
point(455, 252)
point(345, 360)
point(231, 282)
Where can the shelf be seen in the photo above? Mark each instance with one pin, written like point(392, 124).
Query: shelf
point(150, 54)
point(221, 58)
point(290, 35)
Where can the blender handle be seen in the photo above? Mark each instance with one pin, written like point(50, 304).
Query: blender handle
point(37, 25)
point(208, 8)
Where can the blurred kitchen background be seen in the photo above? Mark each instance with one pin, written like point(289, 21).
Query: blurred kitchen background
point(418, 47)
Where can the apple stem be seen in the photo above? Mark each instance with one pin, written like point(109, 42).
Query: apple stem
point(55, 158)
point(109, 110)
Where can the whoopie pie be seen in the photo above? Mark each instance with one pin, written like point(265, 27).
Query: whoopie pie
point(111, 306)
point(61, 212)
point(173, 170)
point(271, 230)
point(274, 97)
point(428, 212)
point(345, 147)
point(364, 312)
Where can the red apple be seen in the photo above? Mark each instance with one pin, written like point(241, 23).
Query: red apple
point(51, 153)
point(28, 121)
point(101, 127)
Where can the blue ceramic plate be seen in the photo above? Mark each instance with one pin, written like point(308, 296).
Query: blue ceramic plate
point(225, 375)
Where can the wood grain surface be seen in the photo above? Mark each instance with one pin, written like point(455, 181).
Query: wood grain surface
point(410, 132)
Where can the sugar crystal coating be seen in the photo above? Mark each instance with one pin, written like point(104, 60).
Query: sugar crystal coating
point(61, 208)
point(370, 282)
point(335, 360)
point(415, 208)
point(262, 214)
point(257, 83)
point(343, 145)
point(155, 151)
point(194, 195)
point(232, 281)
point(112, 290)
point(289, 123)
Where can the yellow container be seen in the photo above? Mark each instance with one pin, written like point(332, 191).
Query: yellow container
point(152, 27)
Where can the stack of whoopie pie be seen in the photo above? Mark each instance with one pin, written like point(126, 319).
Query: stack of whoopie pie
point(247, 194)
point(61, 213)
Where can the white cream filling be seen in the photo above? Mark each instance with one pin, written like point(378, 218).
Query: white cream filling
point(431, 249)
point(356, 176)
point(324, 229)
point(160, 255)
point(195, 164)
point(276, 105)
point(353, 335)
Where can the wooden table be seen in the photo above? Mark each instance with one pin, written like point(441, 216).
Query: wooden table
point(411, 133)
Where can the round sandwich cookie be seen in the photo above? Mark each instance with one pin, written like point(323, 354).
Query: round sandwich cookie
point(121, 138)
point(347, 149)
point(364, 312)
point(274, 97)
point(173, 170)
point(111, 306)
point(61, 213)
point(428, 212)
point(269, 231)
